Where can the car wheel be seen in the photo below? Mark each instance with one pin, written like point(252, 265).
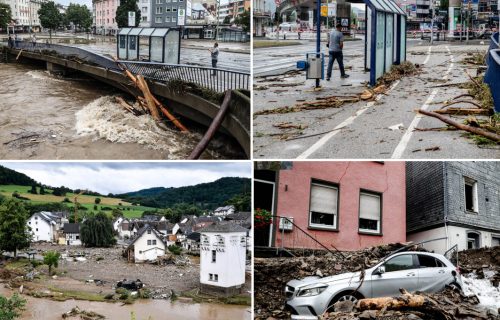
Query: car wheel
point(348, 297)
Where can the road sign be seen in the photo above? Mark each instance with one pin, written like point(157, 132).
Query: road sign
point(131, 18)
point(181, 17)
point(324, 10)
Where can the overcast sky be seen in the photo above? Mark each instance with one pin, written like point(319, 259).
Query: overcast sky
point(120, 177)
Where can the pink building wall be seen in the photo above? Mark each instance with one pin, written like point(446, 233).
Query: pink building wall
point(386, 178)
point(105, 14)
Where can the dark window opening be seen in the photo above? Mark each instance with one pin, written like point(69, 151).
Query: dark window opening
point(368, 224)
point(469, 202)
point(214, 255)
point(322, 218)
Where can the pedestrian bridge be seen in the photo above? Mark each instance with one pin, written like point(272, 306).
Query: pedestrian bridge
point(190, 91)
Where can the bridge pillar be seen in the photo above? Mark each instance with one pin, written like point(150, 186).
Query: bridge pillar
point(56, 68)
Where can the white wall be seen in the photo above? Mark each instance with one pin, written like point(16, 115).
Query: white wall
point(230, 260)
point(45, 230)
point(456, 235)
point(145, 252)
point(72, 238)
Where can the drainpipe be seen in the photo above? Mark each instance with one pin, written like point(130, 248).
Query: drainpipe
point(445, 191)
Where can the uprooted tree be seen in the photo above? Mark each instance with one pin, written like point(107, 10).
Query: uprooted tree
point(97, 231)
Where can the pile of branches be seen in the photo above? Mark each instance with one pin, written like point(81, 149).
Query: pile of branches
point(397, 72)
point(82, 314)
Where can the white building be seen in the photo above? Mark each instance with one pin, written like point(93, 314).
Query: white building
point(72, 234)
point(222, 258)
point(43, 226)
point(117, 223)
point(145, 7)
point(124, 229)
point(147, 246)
point(25, 13)
point(224, 211)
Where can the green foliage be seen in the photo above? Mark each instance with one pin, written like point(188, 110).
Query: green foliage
point(50, 206)
point(203, 196)
point(35, 263)
point(116, 213)
point(241, 202)
point(33, 189)
point(243, 20)
point(79, 15)
point(5, 17)
point(66, 200)
point(42, 190)
point(97, 200)
point(227, 19)
point(61, 191)
point(11, 308)
point(175, 249)
point(14, 234)
point(122, 13)
point(97, 231)
point(8, 176)
point(49, 16)
point(51, 258)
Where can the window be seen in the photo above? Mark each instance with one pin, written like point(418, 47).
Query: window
point(158, 1)
point(159, 10)
point(495, 241)
point(402, 262)
point(216, 277)
point(210, 277)
point(157, 19)
point(167, 19)
point(473, 240)
point(132, 42)
point(470, 195)
point(144, 18)
point(429, 262)
point(154, 242)
point(149, 242)
point(323, 206)
point(77, 237)
point(144, 9)
point(174, 19)
point(369, 212)
point(214, 256)
point(36, 229)
point(167, 9)
point(174, 9)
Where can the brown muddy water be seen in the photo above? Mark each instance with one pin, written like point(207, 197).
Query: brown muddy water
point(38, 308)
point(43, 116)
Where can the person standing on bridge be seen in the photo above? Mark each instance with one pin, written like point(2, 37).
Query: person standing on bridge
point(33, 39)
point(215, 56)
point(335, 45)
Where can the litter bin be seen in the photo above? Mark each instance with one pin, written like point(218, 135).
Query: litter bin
point(492, 76)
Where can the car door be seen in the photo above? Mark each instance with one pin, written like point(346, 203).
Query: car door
point(433, 274)
point(401, 271)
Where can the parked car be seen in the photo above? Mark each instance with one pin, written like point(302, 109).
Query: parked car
point(422, 271)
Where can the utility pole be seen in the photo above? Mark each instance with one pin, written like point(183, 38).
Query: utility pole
point(432, 22)
point(217, 23)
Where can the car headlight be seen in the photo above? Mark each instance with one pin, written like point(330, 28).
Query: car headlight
point(312, 291)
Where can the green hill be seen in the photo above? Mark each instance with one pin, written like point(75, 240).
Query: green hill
point(9, 176)
point(204, 195)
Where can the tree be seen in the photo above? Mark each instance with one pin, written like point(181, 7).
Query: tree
point(79, 15)
point(42, 190)
point(241, 202)
point(122, 13)
point(243, 20)
point(33, 189)
point(97, 231)
point(50, 17)
point(227, 19)
point(51, 258)
point(5, 15)
point(97, 200)
point(10, 309)
point(116, 213)
point(14, 234)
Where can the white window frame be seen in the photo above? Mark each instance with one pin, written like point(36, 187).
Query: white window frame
point(379, 222)
point(473, 183)
point(158, 19)
point(159, 10)
point(335, 215)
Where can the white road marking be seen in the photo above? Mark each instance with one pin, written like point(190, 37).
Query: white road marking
point(428, 55)
point(403, 143)
point(321, 142)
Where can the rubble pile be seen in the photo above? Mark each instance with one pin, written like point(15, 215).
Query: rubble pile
point(77, 313)
point(271, 275)
point(481, 263)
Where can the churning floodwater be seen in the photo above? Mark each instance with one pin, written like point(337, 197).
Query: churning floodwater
point(43, 116)
point(488, 295)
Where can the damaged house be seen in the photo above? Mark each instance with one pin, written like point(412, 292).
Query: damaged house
point(346, 205)
point(456, 200)
point(146, 246)
point(71, 233)
point(222, 258)
point(45, 226)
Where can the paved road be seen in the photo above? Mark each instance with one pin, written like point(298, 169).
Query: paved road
point(378, 129)
point(278, 60)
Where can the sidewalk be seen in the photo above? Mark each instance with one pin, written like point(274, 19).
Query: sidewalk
point(383, 128)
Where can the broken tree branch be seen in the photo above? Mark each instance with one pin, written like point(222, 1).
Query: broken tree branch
point(462, 111)
point(461, 101)
point(214, 126)
point(478, 131)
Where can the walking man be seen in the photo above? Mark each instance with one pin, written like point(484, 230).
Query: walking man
point(215, 56)
point(34, 41)
point(335, 46)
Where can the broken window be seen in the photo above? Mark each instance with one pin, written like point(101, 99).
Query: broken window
point(214, 254)
point(369, 212)
point(471, 195)
point(473, 240)
point(323, 206)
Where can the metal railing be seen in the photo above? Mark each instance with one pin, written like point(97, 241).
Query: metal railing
point(214, 79)
point(218, 80)
point(452, 255)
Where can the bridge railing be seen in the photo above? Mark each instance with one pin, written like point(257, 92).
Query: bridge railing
point(218, 80)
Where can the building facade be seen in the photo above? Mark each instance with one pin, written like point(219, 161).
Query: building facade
point(347, 205)
point(147, 246)
point(261, 17)
point(145, 7)
point(72, 234)
point(222, 258)
point(104, 14)
point(25, 14)
point(44, 226)
point(459, 201)
point(164, 13)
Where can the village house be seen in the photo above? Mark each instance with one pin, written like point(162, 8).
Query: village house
point(346, 205)
point(222, 258)
point(146, 246)
point(71, 232)
point(224, 211)
point(116, 223)
point(124, 229)
point(192, 242)
point(44, 226)
point(455, 200)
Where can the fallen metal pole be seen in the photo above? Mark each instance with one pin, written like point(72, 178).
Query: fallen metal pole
point(214, 126)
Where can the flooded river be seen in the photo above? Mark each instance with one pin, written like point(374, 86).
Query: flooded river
point(38, 308)
point(46, 117)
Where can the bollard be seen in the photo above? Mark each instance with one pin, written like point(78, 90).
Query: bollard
point(492, 77)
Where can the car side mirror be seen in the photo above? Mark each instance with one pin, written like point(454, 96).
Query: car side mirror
point(380, 270)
